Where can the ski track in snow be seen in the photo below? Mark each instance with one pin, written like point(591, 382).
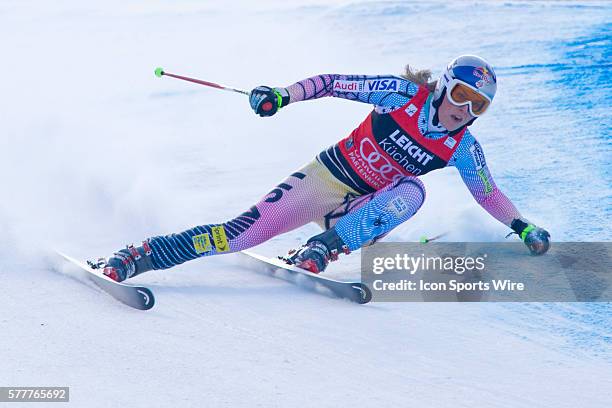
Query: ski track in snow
point(97, 152)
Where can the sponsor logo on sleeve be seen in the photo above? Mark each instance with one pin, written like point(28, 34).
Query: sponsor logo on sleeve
point(220, 239)
point(411, 110)
point(485, 180)
point(370, 85)
point(477, 156)
point(201, 243)
point(386, 85)
point(347, 86)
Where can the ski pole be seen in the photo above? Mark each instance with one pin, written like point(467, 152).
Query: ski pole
point(425, 240)
point(159, 72)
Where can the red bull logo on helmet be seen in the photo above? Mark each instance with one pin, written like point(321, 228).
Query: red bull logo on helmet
point(485, 76)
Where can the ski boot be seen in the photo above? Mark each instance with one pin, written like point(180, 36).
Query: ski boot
point(315, 255)
point(126, 263)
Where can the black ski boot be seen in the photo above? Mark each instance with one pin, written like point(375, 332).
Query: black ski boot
point(126, 263)
point(315, 255)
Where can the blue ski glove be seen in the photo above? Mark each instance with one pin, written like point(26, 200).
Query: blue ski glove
point(266, 101)
point(536, 238)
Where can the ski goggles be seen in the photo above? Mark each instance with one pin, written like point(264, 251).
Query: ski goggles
point(460, 93)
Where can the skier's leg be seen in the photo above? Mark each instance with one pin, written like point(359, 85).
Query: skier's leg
point(388, 208)
point(304, 196)
point(361, 221)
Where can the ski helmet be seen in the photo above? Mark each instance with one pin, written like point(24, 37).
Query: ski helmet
point(471, 70)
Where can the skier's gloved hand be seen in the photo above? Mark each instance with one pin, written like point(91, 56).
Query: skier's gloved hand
point(266, 101)
point(536, 238)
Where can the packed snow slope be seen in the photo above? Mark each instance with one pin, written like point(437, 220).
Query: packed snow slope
point(95, 152)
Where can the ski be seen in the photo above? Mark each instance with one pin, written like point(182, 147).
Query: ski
point(137, 297)
point(354, 291)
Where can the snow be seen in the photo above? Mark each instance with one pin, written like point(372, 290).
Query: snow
point(97, 152)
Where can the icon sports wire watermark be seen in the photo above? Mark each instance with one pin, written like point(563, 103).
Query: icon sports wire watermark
point(476, 272)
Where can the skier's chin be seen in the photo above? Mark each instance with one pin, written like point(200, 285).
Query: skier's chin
point(453, 126)
point(452, 122)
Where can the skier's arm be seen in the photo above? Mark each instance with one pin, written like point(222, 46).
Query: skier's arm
point(470, 162)
point(379, 90)
point(385, 92)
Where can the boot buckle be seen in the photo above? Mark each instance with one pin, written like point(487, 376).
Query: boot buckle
point(134, 252)
point(147, 248)
point(333, 255)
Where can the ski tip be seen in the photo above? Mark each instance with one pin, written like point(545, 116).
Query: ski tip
point(366, 293)
point(159, 71)
point(148, 299)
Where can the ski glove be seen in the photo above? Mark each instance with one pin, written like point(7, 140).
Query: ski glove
point(536, 238)
point(266, 101)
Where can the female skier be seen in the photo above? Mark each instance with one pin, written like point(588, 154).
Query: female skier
point(366, 184)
